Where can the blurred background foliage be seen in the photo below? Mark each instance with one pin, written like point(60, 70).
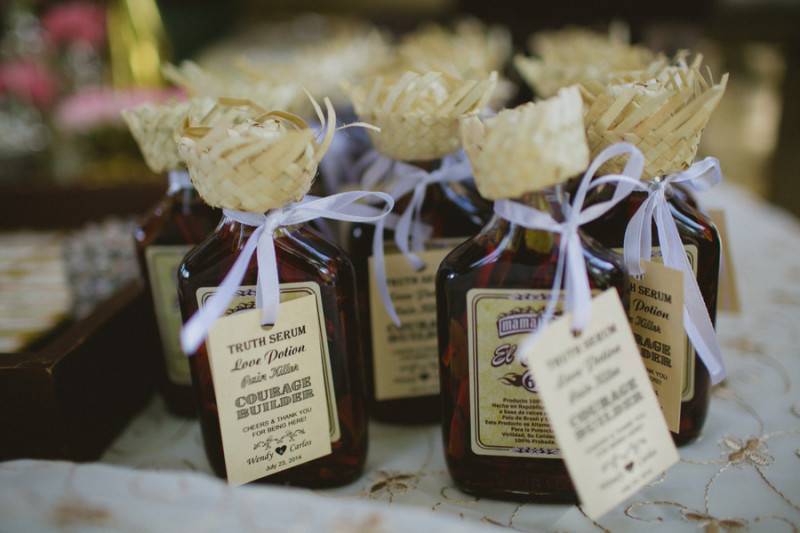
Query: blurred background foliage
point(67, 67)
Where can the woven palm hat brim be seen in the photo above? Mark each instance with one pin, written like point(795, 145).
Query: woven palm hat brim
point(418, 115)
point(238, 166)
point(528, 148)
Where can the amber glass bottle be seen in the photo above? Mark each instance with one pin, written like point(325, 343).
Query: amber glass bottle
point(453, 211)
point(302, 256)
point(702, 244)
point(491, 290)
point(179, 221)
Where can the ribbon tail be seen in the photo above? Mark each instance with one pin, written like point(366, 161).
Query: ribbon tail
point(579, 292)
point(417, 242)
point(697, 321)
point(403, 229)
point(704, 339)
point(632, 247)
point(195, 331)
point(268, 289)
point(379, 265)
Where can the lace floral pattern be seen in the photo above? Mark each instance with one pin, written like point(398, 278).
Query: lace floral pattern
point(742, 474)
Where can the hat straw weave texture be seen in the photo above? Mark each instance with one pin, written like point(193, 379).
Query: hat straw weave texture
point(255, 160)
point(528, 148)
point(664, 117)
point(418, 114)
point(153, 127)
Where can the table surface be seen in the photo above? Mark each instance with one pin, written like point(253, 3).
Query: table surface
point(743, 472)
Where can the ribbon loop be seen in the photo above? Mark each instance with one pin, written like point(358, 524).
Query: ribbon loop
point(262, 243)
point(409, 232)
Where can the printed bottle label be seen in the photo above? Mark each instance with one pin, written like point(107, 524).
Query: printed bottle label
point(162, 270)
point(508, 418)
point(406, 358)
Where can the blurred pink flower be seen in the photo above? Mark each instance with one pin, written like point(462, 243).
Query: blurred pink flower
point(95, 107)
point(72, 22)
point(28, 81)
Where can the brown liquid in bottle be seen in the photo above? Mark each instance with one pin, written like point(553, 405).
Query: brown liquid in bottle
point(451, 210)
point(180, 219)
point(502, 256)
point(302, 256)
point(694, 229)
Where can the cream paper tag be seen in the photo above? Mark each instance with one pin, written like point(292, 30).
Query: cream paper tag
point(406, 359)
point(162, 270)
point(270, 390)
point(656, 318)
point(245, 299)
point(728, 295)
point(601, 406)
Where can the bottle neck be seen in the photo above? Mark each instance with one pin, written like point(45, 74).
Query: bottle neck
point(240, 232)
point(179, 181)
point(539, 240)
point(427, 166)
point(546, 200)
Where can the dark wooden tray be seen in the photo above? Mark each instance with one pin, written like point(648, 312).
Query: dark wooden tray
point(73, 392)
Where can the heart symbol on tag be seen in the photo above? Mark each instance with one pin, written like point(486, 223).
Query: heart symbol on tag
point(281, 449)
point(629, 466)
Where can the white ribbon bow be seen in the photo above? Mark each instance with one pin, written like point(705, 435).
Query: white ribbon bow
point(337, 207)
point(571, 264)
point(409, 231)
point(638, 245)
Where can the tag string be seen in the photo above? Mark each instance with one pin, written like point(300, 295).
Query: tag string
point(178, 180)
point(261, 243)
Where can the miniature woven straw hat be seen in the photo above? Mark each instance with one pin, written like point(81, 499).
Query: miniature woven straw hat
point(251, 160)
point(321, 69)
point(528, 148)
point(266, 94)
point(664, 117)
point(470, 51)
point(153, 127)
point(315, 52)
point(578, 56)
point(418, 114)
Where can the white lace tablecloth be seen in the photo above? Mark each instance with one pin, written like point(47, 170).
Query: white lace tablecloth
point(743, 473)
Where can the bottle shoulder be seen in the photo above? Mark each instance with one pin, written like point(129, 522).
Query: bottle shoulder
point(693, 224)
point(177, 220)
